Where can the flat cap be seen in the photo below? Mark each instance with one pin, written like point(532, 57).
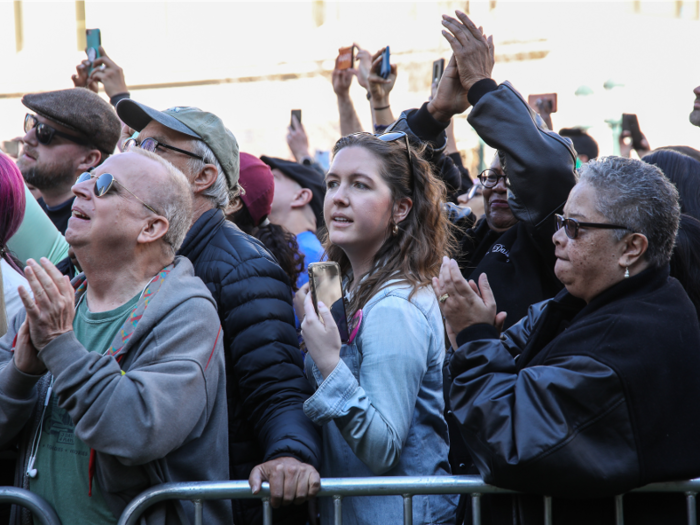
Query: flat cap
point(80, 110)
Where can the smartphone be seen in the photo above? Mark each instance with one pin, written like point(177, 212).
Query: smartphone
point(547, 98)
point(325, 286)
point(438, 69)
point(94, 41)
point(631, 123)
point(295, 113)
point(346, 57)
point(385, 69)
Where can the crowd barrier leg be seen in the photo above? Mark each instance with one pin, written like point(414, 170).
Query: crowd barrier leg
point(691, 510)
point(39, 507)
point(476, 509)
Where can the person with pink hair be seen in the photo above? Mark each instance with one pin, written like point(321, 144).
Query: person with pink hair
point(12, 203)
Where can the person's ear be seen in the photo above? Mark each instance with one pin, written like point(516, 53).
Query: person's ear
point(402, 207)
point(155, 228)
point(302, 198)
point(236, 205)
point(205, 178)
point(634, 249)
point(90, 159)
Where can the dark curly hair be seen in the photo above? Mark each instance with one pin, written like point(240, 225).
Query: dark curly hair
point(278, 240)
point(414, 254)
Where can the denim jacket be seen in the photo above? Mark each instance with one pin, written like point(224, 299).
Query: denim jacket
point(382, 407)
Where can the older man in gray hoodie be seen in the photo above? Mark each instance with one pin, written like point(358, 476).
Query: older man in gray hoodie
point(116, 383)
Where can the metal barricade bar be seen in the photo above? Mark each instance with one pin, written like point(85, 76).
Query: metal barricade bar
point(39, 507)
point(407, 487)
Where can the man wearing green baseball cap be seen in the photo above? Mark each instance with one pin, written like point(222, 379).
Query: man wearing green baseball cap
point(270, 438)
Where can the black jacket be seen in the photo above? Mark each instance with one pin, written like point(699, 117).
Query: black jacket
point(602, 398)
point(266, 387)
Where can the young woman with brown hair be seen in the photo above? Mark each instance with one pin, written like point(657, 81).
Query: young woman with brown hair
point(379, 397)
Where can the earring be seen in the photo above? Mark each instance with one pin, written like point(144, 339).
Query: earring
point(395, 230)
point(627, 272)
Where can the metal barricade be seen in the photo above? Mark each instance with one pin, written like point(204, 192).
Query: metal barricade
point(407, 487)
point(40, 508)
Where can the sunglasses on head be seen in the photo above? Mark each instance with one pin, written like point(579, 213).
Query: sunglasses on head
point(45, 133)
point(391, 137)
point(571, 226)
point(105, 182)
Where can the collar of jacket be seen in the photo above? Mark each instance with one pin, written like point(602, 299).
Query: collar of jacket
point(640, 284)
point(567, 309)
point(124, 334)
point(201, 233)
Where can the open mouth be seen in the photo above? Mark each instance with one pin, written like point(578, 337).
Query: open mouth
point(341, 220)
point(79, 215)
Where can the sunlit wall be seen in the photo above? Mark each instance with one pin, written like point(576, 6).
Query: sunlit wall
point(251, 62)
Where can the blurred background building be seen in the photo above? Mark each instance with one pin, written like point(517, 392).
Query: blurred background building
point(251, 62)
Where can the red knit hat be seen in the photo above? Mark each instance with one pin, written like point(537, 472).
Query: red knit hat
point(259, 184)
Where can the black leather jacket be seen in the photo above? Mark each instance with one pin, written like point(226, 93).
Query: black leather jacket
point(600, 398)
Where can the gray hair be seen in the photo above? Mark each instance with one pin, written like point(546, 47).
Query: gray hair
point(638, 195)
point(219, 192)
point(173, 200)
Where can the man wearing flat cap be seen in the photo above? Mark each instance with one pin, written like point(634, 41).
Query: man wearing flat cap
point(270, 438)
point(69, 132)
point(298, 206)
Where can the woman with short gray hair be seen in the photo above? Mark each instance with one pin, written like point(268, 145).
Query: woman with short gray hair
point(595, 392)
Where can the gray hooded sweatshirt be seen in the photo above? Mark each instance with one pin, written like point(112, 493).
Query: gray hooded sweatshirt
point(163, 419)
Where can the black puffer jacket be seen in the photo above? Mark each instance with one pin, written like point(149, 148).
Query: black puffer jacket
point(266, 387)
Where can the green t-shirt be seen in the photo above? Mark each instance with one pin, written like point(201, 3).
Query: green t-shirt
point(63, 460)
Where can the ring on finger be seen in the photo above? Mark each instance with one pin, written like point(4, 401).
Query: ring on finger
point(443, 298)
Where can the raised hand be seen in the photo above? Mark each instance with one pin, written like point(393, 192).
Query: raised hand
point(473, 52)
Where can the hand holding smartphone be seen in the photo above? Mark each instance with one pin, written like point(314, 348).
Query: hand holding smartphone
point(548, 101)
point(438, 70)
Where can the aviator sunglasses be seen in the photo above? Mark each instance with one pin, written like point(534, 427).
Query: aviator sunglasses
point(571, 226)
point(105, 182)
point(45, 133)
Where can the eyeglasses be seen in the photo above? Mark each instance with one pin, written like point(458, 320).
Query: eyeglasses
point(391, 137)
point(45, 133)
point(150, 144)
point(489, 178)
point(105, 182)
point(571, 226)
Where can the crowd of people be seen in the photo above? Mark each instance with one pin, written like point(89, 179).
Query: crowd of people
point(536, 324)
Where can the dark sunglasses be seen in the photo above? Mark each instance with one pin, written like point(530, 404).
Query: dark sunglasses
point(151, 144)
point(105, 182)
point(571, 226)
point(391, 137)
point(489, 178)
point(45, 133)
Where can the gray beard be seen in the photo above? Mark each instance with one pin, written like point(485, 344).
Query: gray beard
point(695, 117)
point(43, 180)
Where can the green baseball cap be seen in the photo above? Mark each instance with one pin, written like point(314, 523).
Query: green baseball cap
point(191, 121)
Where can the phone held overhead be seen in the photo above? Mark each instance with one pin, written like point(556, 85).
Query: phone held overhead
point(93, 38)
point(438, 69)
point(543, 102)
point(295, 113)
point(385, 69)
point(346, 57)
